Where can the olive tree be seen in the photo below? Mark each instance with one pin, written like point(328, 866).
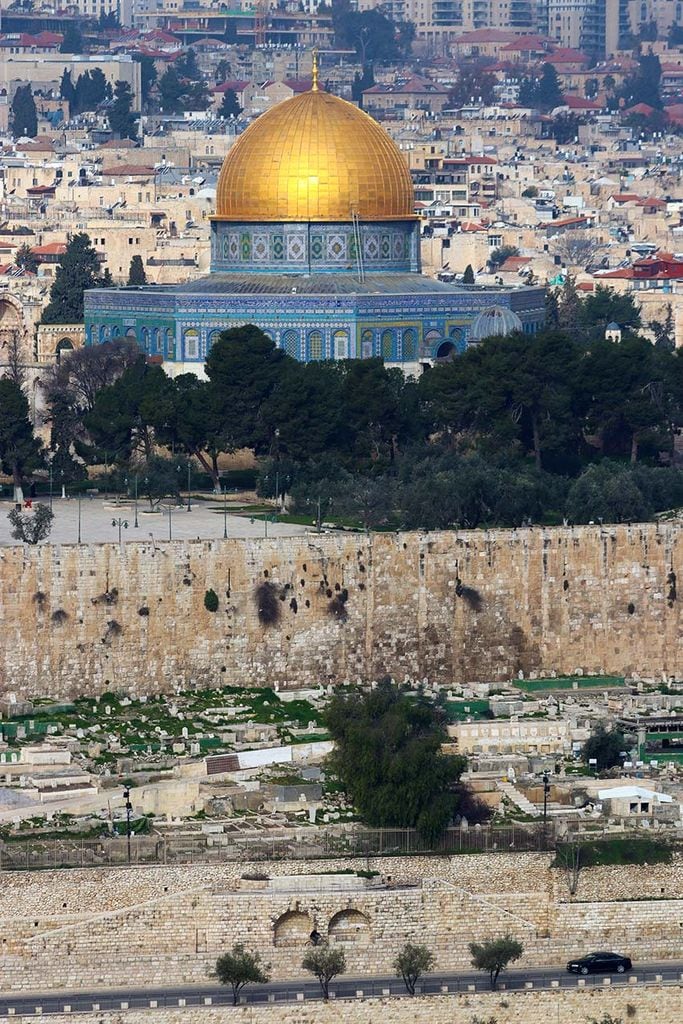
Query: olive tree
point(31, 527)
point(494, 955)
point(325, 963)
point(240, 967)
point(411, 963)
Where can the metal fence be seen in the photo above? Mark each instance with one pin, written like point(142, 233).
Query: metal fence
point(37, 854)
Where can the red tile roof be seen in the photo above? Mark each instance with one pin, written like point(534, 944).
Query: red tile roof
point(51, 249)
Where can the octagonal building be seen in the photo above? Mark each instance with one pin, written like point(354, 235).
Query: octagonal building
point(314, 240)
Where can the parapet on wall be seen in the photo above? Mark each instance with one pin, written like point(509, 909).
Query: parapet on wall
point(442, 606)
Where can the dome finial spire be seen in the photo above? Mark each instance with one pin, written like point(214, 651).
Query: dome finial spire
point(314, 83)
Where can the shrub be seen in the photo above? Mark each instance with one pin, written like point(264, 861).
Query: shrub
point(211, 601)
point(59, 617)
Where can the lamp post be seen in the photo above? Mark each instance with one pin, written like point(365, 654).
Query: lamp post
point(135, 485)
point(129, 808)
point(546, 791)
point(189, 484)
point(170, 522)
point(51, 472)
point(122, 525)
point(225, 512)
point(79, 517)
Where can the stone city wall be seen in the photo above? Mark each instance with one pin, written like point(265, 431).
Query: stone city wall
point(650, 1005)
point(446, 607)
point(140, 926)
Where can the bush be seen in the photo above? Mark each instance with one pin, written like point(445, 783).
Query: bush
point(634, 850)
point(211, 601)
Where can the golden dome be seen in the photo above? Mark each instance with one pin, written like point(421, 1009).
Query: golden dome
point(314, 157)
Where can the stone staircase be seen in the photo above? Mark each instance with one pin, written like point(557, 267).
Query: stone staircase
point(517, 798)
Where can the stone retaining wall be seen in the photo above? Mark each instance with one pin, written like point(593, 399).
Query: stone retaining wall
point(651, 1005)
point(107, 927)
point(563, 600)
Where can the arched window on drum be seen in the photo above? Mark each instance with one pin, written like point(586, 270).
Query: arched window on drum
point(191, 343)
point(104, 332)
point(387, 346)
point(156, 341)
point(116, 332)
point(366, 340)
point(409, 350)
point(290, 343)
point(144, 339)
point(170, 343)
point(340, 341)
point(315, 345)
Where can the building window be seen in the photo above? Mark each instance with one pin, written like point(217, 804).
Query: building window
point(191, 339)
point(290, 343)
point(366, 345)
point(387, 345)
point(409, 344)
point(315, 345)
point(341, 344)
point(144, 339)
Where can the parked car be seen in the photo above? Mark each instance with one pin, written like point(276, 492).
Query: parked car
point(600, 963)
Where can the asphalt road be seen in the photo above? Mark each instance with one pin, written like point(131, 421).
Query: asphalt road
point(653, 972)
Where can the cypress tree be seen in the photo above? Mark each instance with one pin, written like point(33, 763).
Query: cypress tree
point(121, 120)
point(468, 276)
point(24, 116)
point(136, 272)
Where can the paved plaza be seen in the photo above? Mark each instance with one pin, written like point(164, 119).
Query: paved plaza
point(99, 522)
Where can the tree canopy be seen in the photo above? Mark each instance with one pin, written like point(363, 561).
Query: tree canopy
point(240, 967)
point(121, 120)
point(24, 116)
point(605, 747)
point(20, 451)
point(494, 955)
point(388, 758)
point(77, 271)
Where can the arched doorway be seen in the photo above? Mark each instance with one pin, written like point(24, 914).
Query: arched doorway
point(63, 345)
point(446, 351)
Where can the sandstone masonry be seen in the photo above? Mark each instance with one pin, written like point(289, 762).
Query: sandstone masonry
point(584, 598)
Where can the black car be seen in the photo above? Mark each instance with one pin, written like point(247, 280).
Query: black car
point(600, 963)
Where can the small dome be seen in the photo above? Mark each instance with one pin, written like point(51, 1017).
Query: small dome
point(314, 157)
point(496, 320)
point(612, 326)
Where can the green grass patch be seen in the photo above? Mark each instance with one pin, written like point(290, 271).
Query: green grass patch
point(459, 710)
point(636, 850)
point(567, 683)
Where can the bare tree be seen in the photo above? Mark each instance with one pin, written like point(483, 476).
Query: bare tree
point(86, 371)
point(11, 352)
point(578, 248)
point(569, 858)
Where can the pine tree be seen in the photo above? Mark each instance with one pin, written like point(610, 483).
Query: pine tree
point(121, 120)
point(106, 281)
point(73, 40)
point(230, 107)
point(468, 276)
point(136, 272)
point(78, 270)
point(171, 91)
point(25, 258)
point(548, 92)
point(24, 116)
